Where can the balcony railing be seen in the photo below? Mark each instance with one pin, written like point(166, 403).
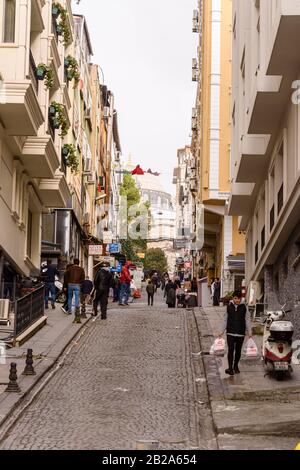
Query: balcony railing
point(32, 72)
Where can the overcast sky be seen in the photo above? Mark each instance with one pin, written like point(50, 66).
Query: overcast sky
point(145, 49)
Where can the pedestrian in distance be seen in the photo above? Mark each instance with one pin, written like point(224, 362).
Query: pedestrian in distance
point(237, 324)
point(125, 281)
point(171, 288)
point(65, 307)
point(74, 279)
point(87, 288)
point(102, 283)
point(116, 287)
point(216, 292)
point(155, 281)
point(150, 291)
point(48, 275)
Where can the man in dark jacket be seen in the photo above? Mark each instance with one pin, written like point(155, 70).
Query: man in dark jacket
point(74, 279)
point(48, 275)
point(237, 324)
point(102, 283)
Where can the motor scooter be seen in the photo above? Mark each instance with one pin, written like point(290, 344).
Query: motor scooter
point(277, 349)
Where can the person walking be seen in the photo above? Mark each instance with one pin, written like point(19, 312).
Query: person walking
point(150, 291)
point(216, 291)
point(65, 307)
point(102, 283)
point(155, 281)
point(237, 324)
point(74, 279)
point(125, 281)
point(116, 287)
point(48, 275)
point(87, 287)
point(171, 288)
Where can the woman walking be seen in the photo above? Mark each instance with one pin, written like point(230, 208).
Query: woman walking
point(171, 294)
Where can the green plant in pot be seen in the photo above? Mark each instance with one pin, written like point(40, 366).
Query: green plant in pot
point(72, 69)
point(56, 10)
point(58, 117)
point(64, 23)
point(70, 157)
point(44, 72)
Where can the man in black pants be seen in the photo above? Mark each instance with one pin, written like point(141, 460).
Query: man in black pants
point(103, 282)
point(237, 324)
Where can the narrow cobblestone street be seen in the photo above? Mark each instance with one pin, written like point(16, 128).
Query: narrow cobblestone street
point(128, 379)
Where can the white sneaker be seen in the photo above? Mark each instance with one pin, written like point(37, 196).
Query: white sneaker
point(65, 311)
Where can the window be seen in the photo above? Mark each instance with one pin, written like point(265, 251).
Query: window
point(272, 218)
point(263, 238)
point(280, 199)
point(256, 253)
point(29, 234)
point(9, 21)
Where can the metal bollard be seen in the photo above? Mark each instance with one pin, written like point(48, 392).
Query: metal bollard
point(13, 377)
point(29, 370)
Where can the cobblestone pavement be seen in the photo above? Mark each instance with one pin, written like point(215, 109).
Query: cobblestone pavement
point(129, 379)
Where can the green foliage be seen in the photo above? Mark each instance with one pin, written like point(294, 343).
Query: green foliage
point(71, 159)
point(60, 117)
point(156, 260)
point(72, 68)
point(64, 23)
point(130, 190)
point(49, 75)
point(130, 247)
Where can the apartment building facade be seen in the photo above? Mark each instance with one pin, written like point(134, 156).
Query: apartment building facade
point(32, 179)
point(222, 254)
point(265, 155)
point(58, 140)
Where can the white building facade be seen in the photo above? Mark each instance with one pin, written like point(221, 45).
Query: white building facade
point(266, 147)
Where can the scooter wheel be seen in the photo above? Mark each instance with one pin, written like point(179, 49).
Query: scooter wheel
point(280, 375)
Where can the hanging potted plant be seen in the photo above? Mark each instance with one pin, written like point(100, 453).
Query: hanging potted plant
point(59, 29)
point(56, 10)
point(44, 72)
point(72, 69)
point(64, 23)
point(59, 118)
point(71, 159)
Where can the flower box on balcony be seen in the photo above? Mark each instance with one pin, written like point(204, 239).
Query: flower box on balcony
point(59, 30)
point(55, 123)
point(65, 151)
point(40, 73)
point(52, 111)
point(55, 11)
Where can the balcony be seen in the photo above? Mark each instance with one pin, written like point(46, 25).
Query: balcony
point(40, 158)
point(285, 36)
point(37, 23)
point(268, 97)
point(253, 158)
point(242, 199)
point(21, 113)
point(55, 193)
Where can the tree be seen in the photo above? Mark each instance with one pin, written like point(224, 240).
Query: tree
point(156, 260)
point(130, 247)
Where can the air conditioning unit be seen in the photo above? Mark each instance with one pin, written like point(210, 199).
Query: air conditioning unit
point(193, 186)
point(195, 75)
point(106, 112)
point(86, 218)
point(195, 64)
point(194, 123)
point(92, 177)
point(87, 165)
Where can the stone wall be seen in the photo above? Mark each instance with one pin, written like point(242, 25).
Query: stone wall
point(283, 280)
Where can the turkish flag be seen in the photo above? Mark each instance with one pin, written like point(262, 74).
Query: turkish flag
point(138, 171)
